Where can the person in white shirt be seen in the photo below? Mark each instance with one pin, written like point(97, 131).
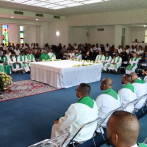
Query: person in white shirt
point(17, 51)
point(71, 54)
point(127, 93)
point(132, 64)
point(107, 47)
point(123, 130)
point(106, 61)
point(140, 52)
point(5, 47)
point(127, 50)
point(132, 49)
point(115, 63)
point(78, 55)
point(8, 54)
point(108, 100)
point(144, 73)
point(52, 55)
point(119, 49)
point(77, 115)
point(140, 89)
point(75, 46)
point(100, 57)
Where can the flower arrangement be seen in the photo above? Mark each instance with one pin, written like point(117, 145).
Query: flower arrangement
point(5, 80)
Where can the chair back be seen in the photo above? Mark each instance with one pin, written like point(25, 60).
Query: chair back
point(142, 97)
point(130, 103)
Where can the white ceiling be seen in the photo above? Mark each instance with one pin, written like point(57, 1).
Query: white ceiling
point(109, 6)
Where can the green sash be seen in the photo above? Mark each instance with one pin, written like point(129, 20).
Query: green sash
point(100, 57)
point(139, 81)
point(52, 55)
point(1, 68)
point(21, 58)
point(132, 59)
point(4, 60)
point(107, 58)
point(86, 101)
point(78, 55)
point(28, 57)
point(141, 145)
point(129, 86)
point(117, 59)
point(110, 92)
point(14, 64)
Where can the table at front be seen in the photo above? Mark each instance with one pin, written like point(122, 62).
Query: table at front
point(61, 74)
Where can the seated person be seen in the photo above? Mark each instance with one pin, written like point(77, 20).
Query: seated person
point(71, 54)
point(88, 54)
point(30, 57)
point(140, 52)
point(78, 55)
point(52, 55)
point(24, 61)
point(115, 63)
point(16, 66)
point(37, 55)
point(83, 53)
point(17, 51)
point(100, 57)
point(119, 49)
point(145, 57)
point(124, 55)
point(66, 54)
point(106, 62)
point(1, 51)
point(108, 100)
point(140, 89)
point(5, 67)
point(77, 115)
point(132, 64)
point(144, 73)
point(44, 56)
point(127, 93)
point(123, 130)
point(8, 54)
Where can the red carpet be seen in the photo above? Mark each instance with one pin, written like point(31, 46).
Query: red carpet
point(25, 88)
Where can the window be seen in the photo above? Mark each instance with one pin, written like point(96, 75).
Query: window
point(21, 35)
point(5, 34)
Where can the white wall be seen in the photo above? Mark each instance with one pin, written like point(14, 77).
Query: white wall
point(78, 35)
point(1, 41)
point(102, 37)
point(138, 33)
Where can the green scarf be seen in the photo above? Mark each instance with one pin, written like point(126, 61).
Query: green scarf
point(117, 59)
point(52, 55)
point(100, 57)
point(110, 92)
point(86, 101)
point(12, 58)
point(28, 57)
point(1, 68)
point(78, 55)
point(141, 145)
point(133, 59)
point(4, 61)
point(129, 86)
point(139, 81)
point(107, 58)
point(21, 57)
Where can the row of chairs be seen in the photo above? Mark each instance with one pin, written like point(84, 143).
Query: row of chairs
point(56, 141)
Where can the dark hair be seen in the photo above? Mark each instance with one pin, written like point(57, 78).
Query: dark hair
point(128, 78)
point(145, 69)
point(85, 89)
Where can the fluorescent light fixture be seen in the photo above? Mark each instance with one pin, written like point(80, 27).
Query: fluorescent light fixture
point(36, 19)
point(55, 4)
point(12, 17)
point(144, 25)
point(57, 33)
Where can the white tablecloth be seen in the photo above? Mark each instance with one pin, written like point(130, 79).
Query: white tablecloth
point(61, 74)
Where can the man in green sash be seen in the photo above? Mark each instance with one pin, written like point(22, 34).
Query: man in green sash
point(16, 66)
point(78, 114)
point(115, 64)
point(5, 67)
point(78, 55)
point(52, 55)
point(24, 62)
point(127, 93)
point(30, 57)
point(133, 64)
point(100, 57)
point(123, 130)
point(108, 100)
point(106, 62)
point(44, 56)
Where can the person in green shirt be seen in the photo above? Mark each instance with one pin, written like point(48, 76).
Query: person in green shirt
point(123, 130)
point(44, 56)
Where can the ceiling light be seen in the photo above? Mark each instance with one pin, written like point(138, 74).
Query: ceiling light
point(12, 17)
point(57, 33)
point(144, 25)
point(36, 19)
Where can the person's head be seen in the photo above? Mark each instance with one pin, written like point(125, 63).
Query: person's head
point(44, 51)
point(107, 54)
point(71, 51)
point(75, 44)
point(107, 44)
point(106, 83)
point(7, 51)
point(100, 52)
point(88, 49)
point(140, 47)
point(83, 90)
point(29, 52)
point(134, 76)
point(144, 72)
point(117, 54)
point(4, 54)
point(51, 50)
point(22, 53)
point(126, 79)
point(124, 50)
point(146, 53)
point(13, 53)
point(116, 51)
point(38, 51)
point(122, 129)
point(78, 51)
point(134, 54)
point(119, 46)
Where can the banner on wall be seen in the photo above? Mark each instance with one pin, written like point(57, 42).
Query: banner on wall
point(5, 34)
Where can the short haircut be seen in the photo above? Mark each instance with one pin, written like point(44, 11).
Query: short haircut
point(85, 89)
point(128, 78)
point(145, 69)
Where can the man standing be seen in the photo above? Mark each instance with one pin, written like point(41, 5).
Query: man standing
point(140, 89)
point(127, 93)
point(115, 63)
point(106, 61)
point(123, 130)
point(30, 57)
point(100, 57)
point(133, 64)
point(77, 115)
point(108, 100)
point(52, 55)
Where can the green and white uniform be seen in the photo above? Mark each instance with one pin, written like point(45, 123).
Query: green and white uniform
point(118, 61)
point(30, 58)
point(52, 56)
point(106, 62)
point(100, 58)
point(132, 66)
point(44, 57)
point(78, 114)
point(78, 56)
point(5, 68)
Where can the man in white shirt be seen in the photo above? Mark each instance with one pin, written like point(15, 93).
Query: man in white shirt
point(140, 52)
point(100, 57)
point(17, 51)
point(5, 47)
point(140, 89)
point(71, 54)
point(77, 115)
point(123, 130)
point(75, 46)
point(78, 55)
point(144, 73)
point(133, 49)
point(107, 47)
point(132, 64)
point(108, 100)
point(107, 60)
point(127, 93)
point(115, 63)
point(52, 55)
point(119, 49)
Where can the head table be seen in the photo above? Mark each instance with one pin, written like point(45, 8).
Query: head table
point(62, 74)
